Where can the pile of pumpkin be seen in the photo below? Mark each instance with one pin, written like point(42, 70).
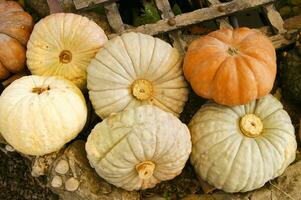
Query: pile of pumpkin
point(136, 85)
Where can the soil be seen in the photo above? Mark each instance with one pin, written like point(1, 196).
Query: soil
point(16, 182)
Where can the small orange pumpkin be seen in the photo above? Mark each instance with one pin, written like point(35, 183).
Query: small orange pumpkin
point(231, 67)
point(15, 28)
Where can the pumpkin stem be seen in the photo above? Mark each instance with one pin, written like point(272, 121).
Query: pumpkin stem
point(40, 90)
point(65, 56)
point(232, 51)
point(251, 125)
point(142, 89)
point(145, 169)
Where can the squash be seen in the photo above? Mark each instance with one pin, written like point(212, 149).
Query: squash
point(40, 114)
point(291, 73)
point(232, 67)
point(139, 147)
point(15, 28)
point(240, 148)
point(136, 69)
point(63, 44)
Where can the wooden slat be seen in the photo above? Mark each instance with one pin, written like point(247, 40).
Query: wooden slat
point(222, 22)
point(274, 18)
point(166, 13)
point(197, 16)
point(79, 4)
point(278, 40)
point(114, 17)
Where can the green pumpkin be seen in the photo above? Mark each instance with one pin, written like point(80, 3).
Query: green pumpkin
point(291, 76)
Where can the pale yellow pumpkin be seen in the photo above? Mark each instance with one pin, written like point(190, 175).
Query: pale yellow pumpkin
point(136, 69)
point(138, 148)
point(63, 44)
point(38, 115)
point(240, 148)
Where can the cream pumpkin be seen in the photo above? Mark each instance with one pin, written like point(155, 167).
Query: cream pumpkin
point(136, 69)
point(240, 148)
point(138, 148)
point(38, 115)
point(63, 44)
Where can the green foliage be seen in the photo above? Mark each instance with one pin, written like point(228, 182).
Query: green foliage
point(176, 9)
point(147, 15)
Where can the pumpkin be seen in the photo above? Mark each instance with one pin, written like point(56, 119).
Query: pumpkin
point(291, 74)
point(139, 147)
point(240, 148)
point(232, 67)
point(15, 28)
point(136, 69)
point(63, 44)
point(40, 114)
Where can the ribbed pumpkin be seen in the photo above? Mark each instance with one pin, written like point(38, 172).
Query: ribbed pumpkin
point(232, 67)
point(15, 28)
point(63, 44)
point(136, 69)
point(240, 148)
point(40, 114)
point(138, 148)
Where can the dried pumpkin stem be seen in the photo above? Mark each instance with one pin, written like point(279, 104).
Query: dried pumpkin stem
point(65, 56)
point(40, 90)
point(251, 125)
point(232, 51)
point(142, 89)
point(145, 169)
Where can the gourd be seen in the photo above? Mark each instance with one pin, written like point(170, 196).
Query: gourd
point(240, 148)
point(291, 73)
point(63, 44)
point(15, 28)
point(136, 69)
point(40, 114)
point(232, 67)
point(139, 147)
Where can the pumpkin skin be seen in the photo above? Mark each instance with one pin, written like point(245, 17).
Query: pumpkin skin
point(240, 148)
point(63, 44)
point(40, 114)
point(232, 67)
point(15, 28)
point(138, 148)
point(136, 69)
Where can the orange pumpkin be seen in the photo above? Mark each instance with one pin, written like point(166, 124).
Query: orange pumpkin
point(15, 28)
point(231, 67)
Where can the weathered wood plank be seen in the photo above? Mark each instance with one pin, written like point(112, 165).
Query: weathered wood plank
point(274, 18)
point(176, 36)
point(79, 4)
point(222, 22)
point(114, 17)
point(197, 16)
point(278, 40)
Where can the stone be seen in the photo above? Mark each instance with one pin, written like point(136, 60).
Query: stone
point(71, 184)
point(62, 167)
point(56, 182)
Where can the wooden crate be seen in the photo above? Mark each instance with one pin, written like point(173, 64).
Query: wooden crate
point(217, 11)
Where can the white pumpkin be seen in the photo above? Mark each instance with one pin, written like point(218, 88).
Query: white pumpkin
point(136, 69)
point(240, 148)
point(38, 115)
point(63, 44)
point(138, 148)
